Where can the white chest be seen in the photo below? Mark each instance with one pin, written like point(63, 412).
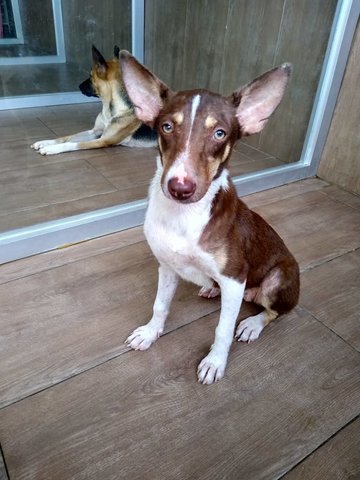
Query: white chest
point(173, 231)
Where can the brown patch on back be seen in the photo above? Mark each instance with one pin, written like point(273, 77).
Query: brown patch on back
point(254, 252)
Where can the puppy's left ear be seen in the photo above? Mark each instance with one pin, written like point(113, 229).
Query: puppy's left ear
point(258, 100)
point(145, 90)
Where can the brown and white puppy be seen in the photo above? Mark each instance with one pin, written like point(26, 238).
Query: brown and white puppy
point(116, 124)
point(195, 224)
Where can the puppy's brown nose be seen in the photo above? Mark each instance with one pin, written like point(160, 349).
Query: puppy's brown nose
point(181, 190)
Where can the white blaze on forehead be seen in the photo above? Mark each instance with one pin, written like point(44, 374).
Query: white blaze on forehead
point(194, 106)
point(178, 168)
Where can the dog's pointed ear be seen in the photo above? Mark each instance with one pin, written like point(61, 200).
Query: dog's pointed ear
point(116, 51)
point(257, 101)
point(145, 90)
point(99, 61)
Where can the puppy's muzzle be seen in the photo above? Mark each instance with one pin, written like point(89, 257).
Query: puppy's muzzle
point(183, 190)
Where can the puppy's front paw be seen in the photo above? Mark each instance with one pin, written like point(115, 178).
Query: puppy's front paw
point(211, 368)
point(42, 143)
point(249, 329)
point(142, 337)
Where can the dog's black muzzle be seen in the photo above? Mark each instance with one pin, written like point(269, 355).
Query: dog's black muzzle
point(86, 88)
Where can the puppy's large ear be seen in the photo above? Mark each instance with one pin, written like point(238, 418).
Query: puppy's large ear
point(145, 90)
point(258, 100)
point(99, 62)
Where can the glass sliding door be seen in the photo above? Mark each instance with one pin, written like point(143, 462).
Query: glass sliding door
point(217, 44)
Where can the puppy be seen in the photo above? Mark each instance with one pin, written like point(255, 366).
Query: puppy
point(196, 226)
point(116, 123)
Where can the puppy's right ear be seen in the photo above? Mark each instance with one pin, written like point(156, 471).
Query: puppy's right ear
point(145, 90)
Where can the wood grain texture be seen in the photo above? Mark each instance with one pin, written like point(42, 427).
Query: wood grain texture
point(222, 45)
point(285, 191)
point(110, 413)
point(50, 184)
point(88, 22)
point(66, 208)
point(127, 167)
point(340, 160)
point(164, 39)
point(331, 293)
point(38, 79)
point(242, 168)
point(343, 196)
point(315, 227)
point(250, 41)
point(36, 188)
point(303, 38)
point(143, 415)
point(206, 24)
point(56, 258)
point(338, 459)
point(69, 318)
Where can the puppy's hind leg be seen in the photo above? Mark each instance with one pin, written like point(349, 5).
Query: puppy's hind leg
point(250, 328)
point(142, 337)
point(278, 293)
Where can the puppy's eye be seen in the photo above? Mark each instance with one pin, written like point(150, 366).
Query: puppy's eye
point(219, 134)
point(167, 127)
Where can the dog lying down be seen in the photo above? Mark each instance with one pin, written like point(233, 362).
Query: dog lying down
point(116, 124)
point(196, 226)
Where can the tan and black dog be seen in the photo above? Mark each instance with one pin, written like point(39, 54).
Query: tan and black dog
point(116, 124)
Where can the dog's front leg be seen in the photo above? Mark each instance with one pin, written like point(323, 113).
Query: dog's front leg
point(144, 336)
point(212, 367)
point(58, 145)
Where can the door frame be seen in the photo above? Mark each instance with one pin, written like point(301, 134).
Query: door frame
point(40, 59)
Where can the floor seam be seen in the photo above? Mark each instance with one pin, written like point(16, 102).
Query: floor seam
point(319, 446)
point(341, 201)
point(4, 462)
point(92, 367)
point(330, 329)
point(47, 269)
point(311, 267)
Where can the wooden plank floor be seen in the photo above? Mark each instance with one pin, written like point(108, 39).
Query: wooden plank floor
point(36, 188)
point(77, 404)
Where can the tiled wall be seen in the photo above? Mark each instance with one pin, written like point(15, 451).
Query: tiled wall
point(222, 44)
point(104, 23)
point(340, 161)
